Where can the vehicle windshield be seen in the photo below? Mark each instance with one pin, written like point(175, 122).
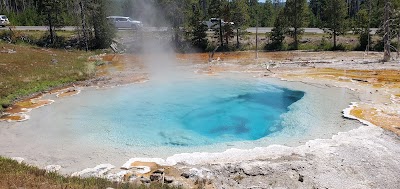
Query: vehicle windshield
point(4, 17)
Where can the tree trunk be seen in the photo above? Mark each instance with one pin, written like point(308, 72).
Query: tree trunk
point(256, 38)
point(85, 37)
point(227, 39)
point(296, 44)
point(369, 26)
point(386, 37)
point(50, 28)
point(23, 5)
point(7, 5)
point(237, 38)
point(334, 39)
point(398, 38)
point(220, 33)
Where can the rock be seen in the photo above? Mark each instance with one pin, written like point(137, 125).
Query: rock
point(10, 51)
point(145, 180)
point(168, 179)
point(161, 171)
point(141, 169)
point(52, 168)
point(185, 175)
point(54, 61)
point(155, 177)
point(18, 159)
point(129, 176)
point(121, 176)
point(97, 171)
point(301, 178)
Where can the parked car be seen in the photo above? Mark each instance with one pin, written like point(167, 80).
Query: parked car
point(4, 21)
point(213, 23)
point(125, 22)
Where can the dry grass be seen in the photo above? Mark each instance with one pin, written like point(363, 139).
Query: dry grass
point(15, 175)
point(32, 69)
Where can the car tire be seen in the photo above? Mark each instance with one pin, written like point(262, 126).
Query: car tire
point(134, 27)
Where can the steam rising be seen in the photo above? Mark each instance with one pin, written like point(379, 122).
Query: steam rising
point(156, 46)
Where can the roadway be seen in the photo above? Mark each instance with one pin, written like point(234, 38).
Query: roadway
point(251, 30)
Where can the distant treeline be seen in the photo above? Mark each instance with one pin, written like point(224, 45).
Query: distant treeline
point(28, 12)
point(336, 17)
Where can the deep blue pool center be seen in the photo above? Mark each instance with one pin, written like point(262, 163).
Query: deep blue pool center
point(188, 112)
point(246, 116)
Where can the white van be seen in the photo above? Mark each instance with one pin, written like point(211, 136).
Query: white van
point(125, 22)
point(4, 21)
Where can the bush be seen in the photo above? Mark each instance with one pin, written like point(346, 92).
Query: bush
point(15, 37)
point(363, 41)
point(324, 45)
point(45, 41)
point(380, 46)
point(277, 46)
point(339, 47)
point(308, 47)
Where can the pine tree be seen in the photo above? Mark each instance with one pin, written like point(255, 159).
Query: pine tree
point(255, 12)
point(51, 9)
point(103, 31)
point(227, 28)
point(296, 14)
point(198, 31)
point(363, 28)
point(127, 7)
point(278, 32)
point(241, 18)
point(267, 15)
point(333, 16)
point(214, 10)
point(175, 11)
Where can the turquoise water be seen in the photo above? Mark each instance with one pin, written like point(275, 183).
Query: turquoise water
point(189, 112)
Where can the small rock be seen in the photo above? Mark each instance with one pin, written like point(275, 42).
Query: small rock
point(54, 61)
point(168, 179)
point(97, 171)
point(301, 178)
point(52, 168)
point(185, 175)
point(145, 180)
point(11, 51)
point(129, 176)
point(161, 171)
point(141, 169)
point(155, 177)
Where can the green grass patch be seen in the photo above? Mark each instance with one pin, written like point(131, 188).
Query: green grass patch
point(25, 70)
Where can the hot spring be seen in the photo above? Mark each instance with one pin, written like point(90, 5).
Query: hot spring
point(191, 113)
